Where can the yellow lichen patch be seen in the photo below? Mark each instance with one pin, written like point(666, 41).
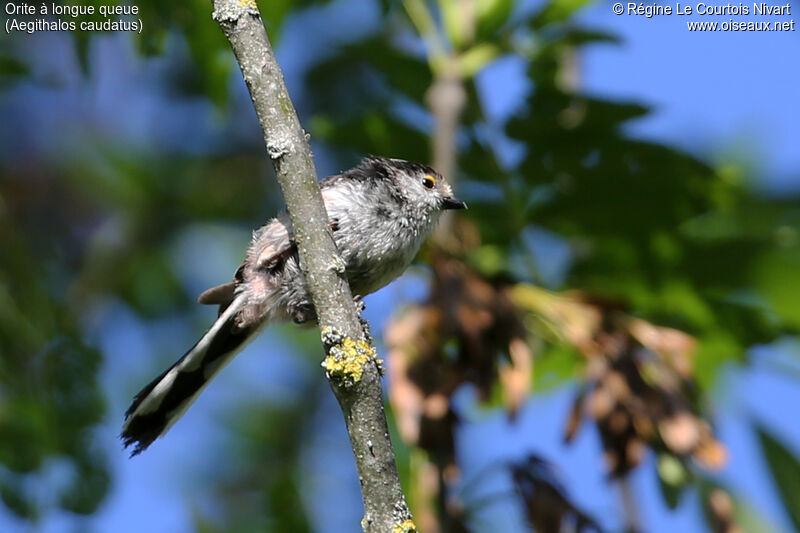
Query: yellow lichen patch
point(248, 3)
point(346, 357)
point(331, 336)
point(407, 526)
point(363, 346)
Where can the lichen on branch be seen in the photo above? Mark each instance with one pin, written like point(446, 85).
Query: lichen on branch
point(347, 358)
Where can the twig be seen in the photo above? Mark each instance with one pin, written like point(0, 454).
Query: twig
point(630, 509)
point(351, 363)
point(446, 99)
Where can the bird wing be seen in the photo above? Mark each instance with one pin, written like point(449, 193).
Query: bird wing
point(272, 246)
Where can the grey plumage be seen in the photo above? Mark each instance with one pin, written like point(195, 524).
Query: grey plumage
point(380, 213)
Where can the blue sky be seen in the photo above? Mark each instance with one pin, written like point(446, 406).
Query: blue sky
point(713, 93)
point(718, 95)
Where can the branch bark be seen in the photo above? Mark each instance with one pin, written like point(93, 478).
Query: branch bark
point(351, 363)
point(446, 99)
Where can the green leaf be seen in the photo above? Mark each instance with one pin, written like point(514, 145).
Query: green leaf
point(375, 133)
point(15, 499)
point(558, 11)
point(777, 280)
point(492, 15)
point(476, 58)
point(714, 349)
point(673, 477)
point(455, 23)
point(785, 469)
point(11, 70)
point(555, 365)
point(366, 74)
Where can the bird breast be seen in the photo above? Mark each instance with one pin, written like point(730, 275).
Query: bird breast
point(376, 237)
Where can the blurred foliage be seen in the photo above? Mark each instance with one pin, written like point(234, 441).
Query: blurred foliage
point(534, 480)
point(77, 230)
point(681, 267)
point(785, 469)
point(638, 388)
point(210, 52)
point(675, 268)
point(50, 399)
point(259, 491)
point(725, 513)
point(259, 487)
point(547, 507)
point(72, 237)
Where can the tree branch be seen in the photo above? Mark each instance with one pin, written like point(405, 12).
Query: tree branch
point(446, 99)
point(351, 362)
point(630, 509)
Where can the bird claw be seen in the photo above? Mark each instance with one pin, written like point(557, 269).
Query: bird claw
point(360, 305)
point(365, 327)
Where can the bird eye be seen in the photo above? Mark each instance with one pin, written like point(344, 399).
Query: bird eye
point(429, 181)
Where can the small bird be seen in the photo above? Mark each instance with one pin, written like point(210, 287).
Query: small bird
point(380, 212)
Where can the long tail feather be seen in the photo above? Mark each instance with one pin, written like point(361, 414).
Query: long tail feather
point(164, 400)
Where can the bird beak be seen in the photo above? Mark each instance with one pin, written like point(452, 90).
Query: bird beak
point(453, 203)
